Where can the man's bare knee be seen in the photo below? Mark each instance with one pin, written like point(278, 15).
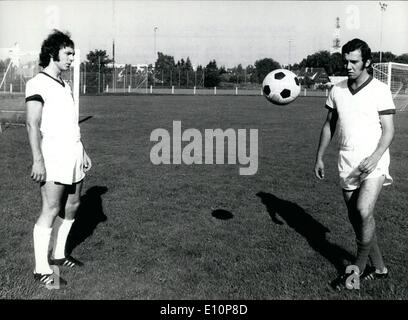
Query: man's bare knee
point(73, 205)
point(51, 209)
point(366, 214)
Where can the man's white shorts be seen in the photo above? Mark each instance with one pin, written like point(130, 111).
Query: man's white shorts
point(63, 160)
point(351, 177)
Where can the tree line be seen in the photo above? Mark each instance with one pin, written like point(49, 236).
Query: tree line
point(180, 73)
point(167, 72)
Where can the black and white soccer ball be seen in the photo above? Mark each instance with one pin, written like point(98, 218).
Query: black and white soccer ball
point(281, 86)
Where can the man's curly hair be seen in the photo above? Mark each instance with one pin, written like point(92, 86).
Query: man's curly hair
point(52, 45)
point(364, 48)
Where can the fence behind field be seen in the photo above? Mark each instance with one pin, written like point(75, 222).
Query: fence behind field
point(169, 91)
point(205, 91)
point(138, 82)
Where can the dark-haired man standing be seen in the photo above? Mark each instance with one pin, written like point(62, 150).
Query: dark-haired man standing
point(360, 111)
point(59, 158)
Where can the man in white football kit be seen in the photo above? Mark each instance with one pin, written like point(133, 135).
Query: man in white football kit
point(59, 159)
point(360, 112)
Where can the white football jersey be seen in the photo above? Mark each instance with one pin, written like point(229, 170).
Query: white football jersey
point(358, 124)
point(60, 115)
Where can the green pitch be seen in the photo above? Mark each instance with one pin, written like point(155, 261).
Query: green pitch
point(201, 231)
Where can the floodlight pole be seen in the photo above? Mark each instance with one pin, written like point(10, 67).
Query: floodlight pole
point(84, 75)
point(383, 7)
point(154, 57)
point(289, 58)
point(155, 29)
point(113, 46)
point(99, 74)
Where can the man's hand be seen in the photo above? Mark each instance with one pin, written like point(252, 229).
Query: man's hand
point(368, 164)
point(38, 173)
point(319, 169)
point(328, 130)
point(87, 162)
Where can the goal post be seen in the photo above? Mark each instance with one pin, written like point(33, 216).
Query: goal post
point(395, 76)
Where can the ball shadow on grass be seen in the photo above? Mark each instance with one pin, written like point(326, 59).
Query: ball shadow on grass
point(222, 214)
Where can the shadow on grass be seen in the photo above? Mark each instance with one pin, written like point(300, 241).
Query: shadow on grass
point(89, 215)
point(84, 118)
point(222, 214)
point(304, 224)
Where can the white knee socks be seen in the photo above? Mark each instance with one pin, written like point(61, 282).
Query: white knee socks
point(42, 237)
point(60, 233)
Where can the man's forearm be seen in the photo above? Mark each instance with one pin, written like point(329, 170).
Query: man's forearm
point(83, 145)
point(325, 138)
point(34, 137)
point(384, 143)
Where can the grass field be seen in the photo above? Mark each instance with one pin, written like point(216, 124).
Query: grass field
point(201, 231)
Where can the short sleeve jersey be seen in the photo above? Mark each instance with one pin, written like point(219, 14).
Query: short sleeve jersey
point(60, 114)
point(358, 125)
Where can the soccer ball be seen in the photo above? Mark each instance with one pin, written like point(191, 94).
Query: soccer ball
point(281, 86)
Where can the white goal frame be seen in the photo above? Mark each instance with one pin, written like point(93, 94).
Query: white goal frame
point(385, 72)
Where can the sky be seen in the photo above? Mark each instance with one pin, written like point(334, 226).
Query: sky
point(231, 32)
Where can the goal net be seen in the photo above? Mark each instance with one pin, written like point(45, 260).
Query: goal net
point(16, 68)
point(395, 75)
